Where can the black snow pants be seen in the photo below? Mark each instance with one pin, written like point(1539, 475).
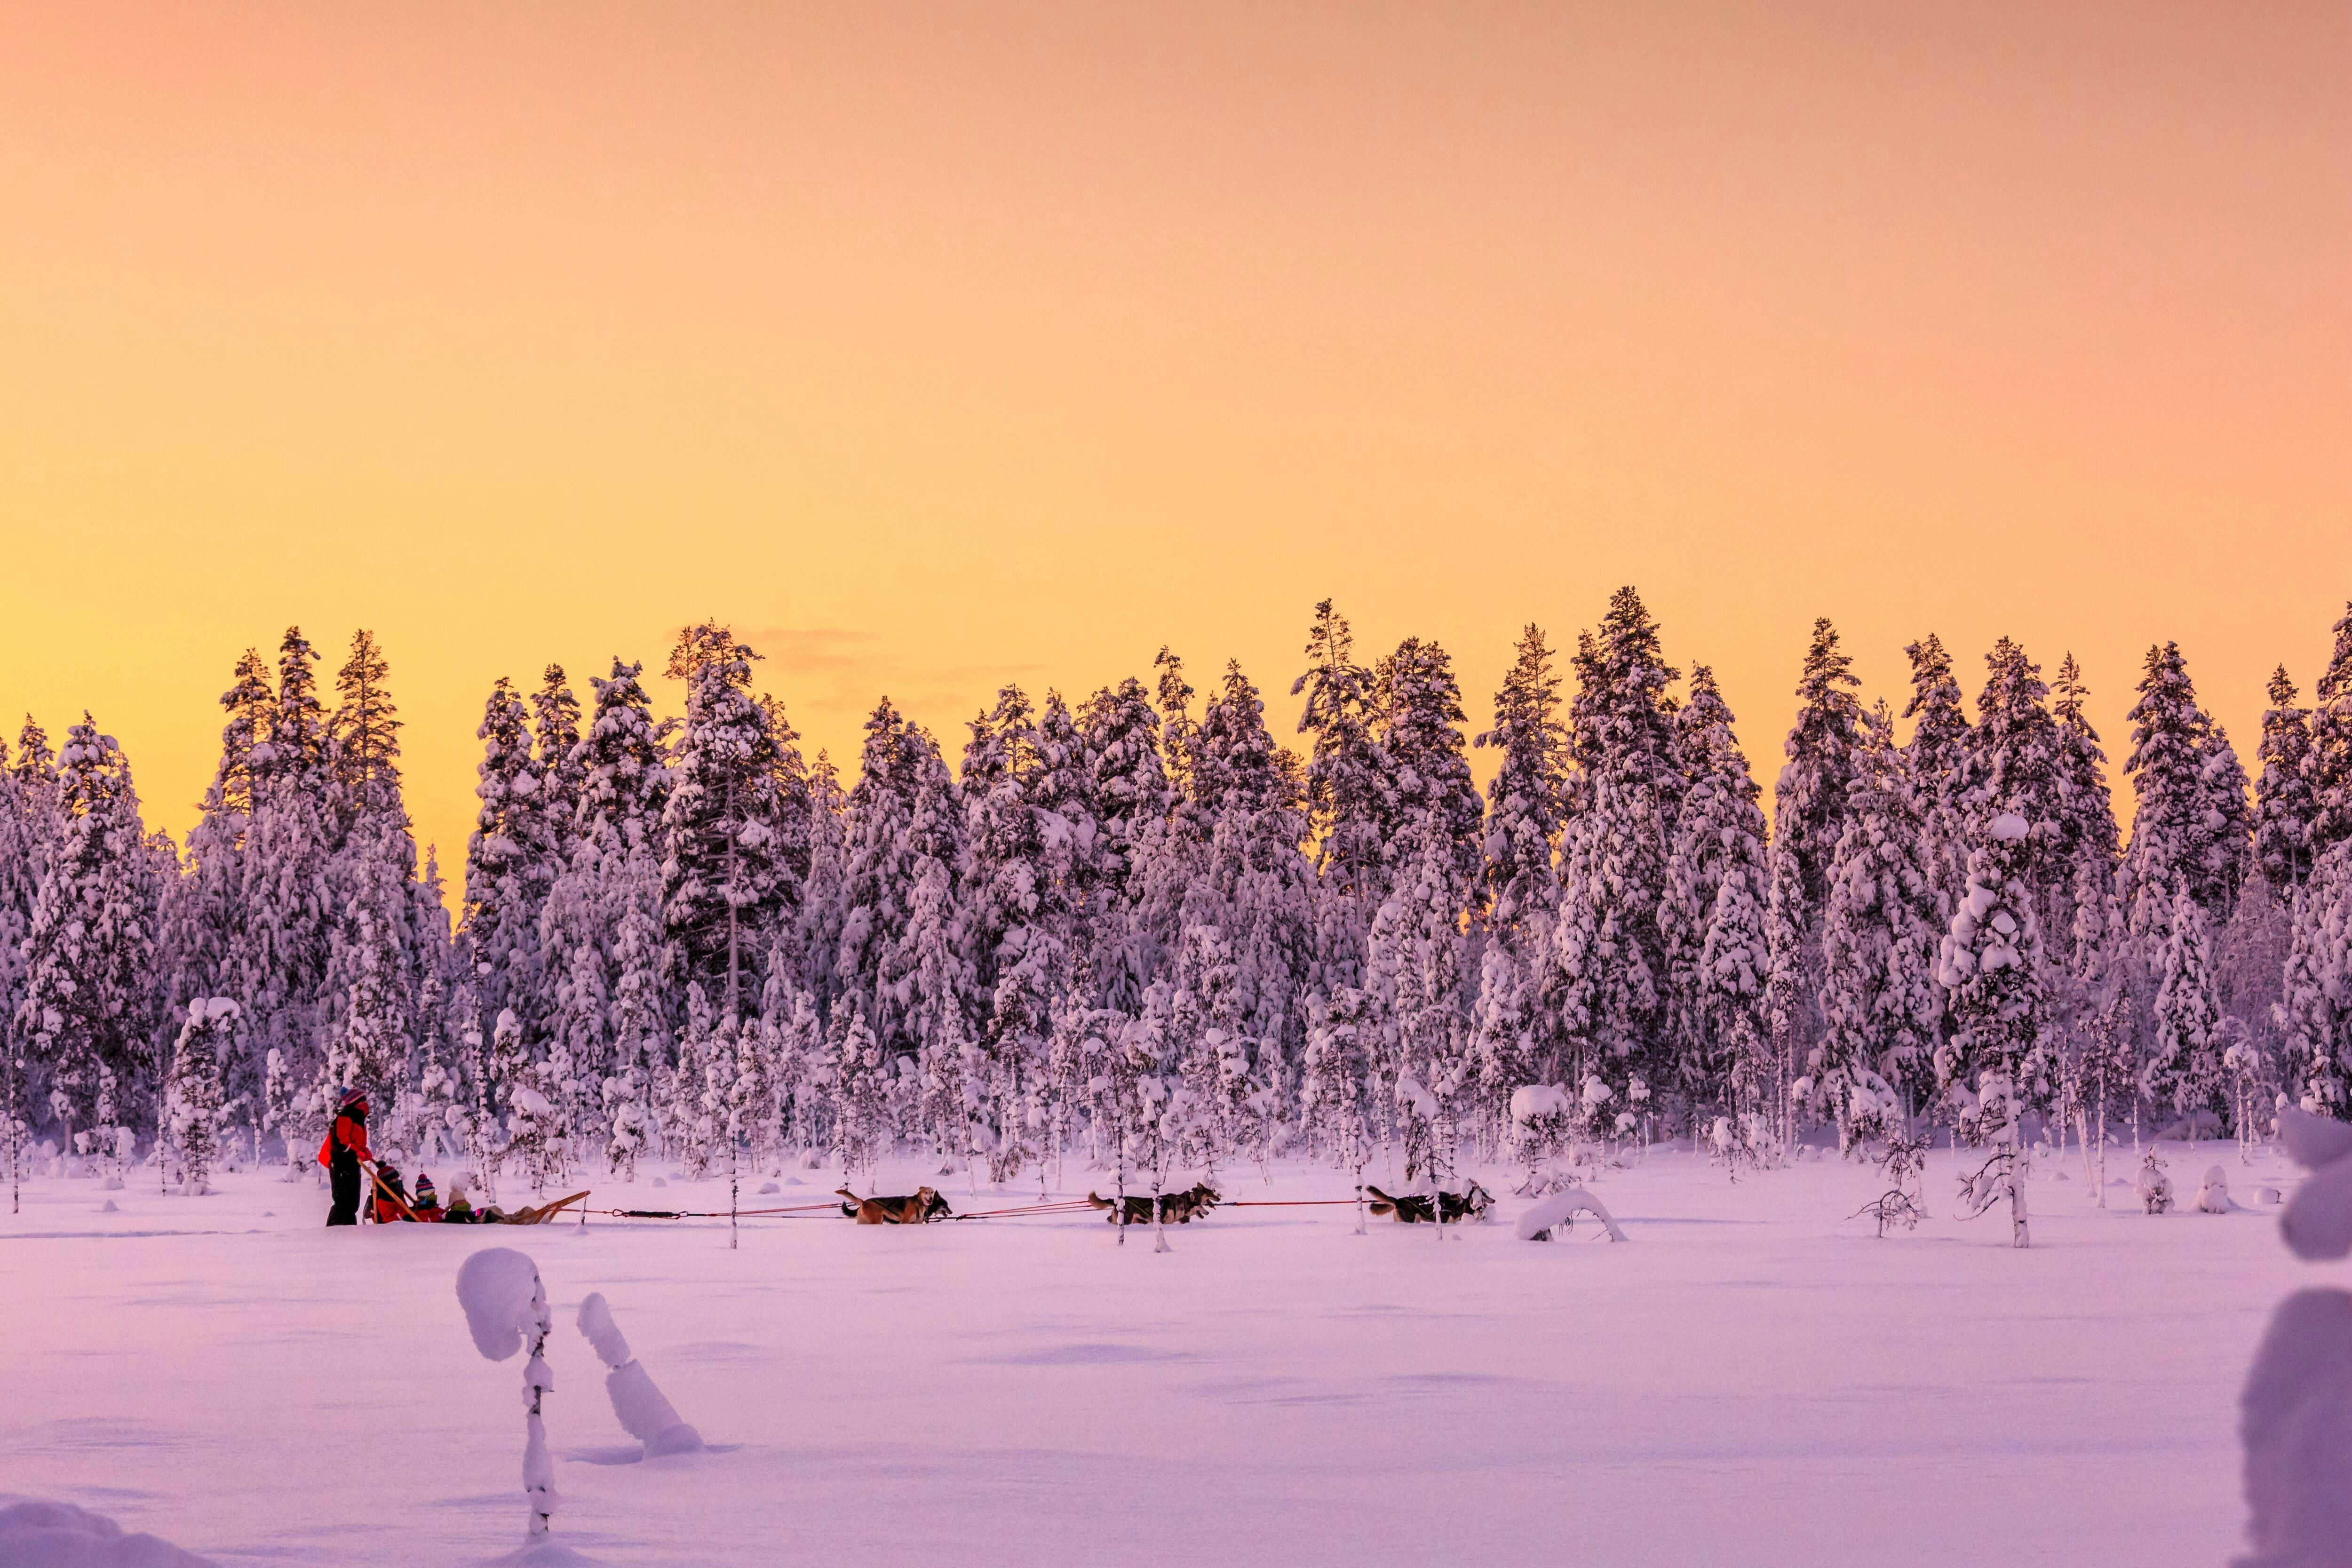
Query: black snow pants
point(343, 1180)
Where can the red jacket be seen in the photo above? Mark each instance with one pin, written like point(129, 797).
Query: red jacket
point(351, 1133)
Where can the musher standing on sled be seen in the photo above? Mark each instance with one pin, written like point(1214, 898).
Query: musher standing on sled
point(345, 1147)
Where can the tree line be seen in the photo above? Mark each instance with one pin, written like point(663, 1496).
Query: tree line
point(1141, 930)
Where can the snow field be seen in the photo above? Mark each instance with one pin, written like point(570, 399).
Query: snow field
point(1750, 1379)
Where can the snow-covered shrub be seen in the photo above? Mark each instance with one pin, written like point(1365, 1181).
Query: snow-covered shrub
point(2154, 1186)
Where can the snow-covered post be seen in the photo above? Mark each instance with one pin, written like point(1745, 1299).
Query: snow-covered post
point(638, 1404)
point(506, 1310)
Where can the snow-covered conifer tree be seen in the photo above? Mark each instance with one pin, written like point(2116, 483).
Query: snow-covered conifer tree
point(729, 831)
point(88, 956)
point(1518, 885)
point(363, 734)
point(282, 943)
point(1938, 753)
point(2284, 806)
point(1132, 799)
point(1420, 720)
point(2188, 825)
point(1990, 961)
point(1014, 951)
point(1808, 813)
point(2330, 765)
point(1351, 780)
point(197, 1111)
point(2185, 1069)
point(1613, 858)
point(1710, 921)
point(506, 860)
point(2315, 1014)
point(2086, 849)
point(1881, 1004)
point(878, 870)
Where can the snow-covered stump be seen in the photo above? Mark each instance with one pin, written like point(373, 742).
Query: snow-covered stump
point(642, 1409)
point(2213, 1193)
point(506, 1310)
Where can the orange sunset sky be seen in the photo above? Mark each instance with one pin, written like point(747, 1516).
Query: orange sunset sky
point(937, 345)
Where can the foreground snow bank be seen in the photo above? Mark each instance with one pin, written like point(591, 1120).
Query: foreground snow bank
point(40, 1534)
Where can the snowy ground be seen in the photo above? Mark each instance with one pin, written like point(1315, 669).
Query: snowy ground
point(1750, 1379)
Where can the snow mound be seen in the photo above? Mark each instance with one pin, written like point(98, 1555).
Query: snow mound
point(499, 1287)
point(2314, 1141)
point(1542, 1217)
point(543, 1554)
point(768, 1189)
point(2295, 1419)
point(36, 1534)
point(2317, 1221)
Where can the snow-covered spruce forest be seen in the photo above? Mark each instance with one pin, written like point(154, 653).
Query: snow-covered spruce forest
point(1142, 932)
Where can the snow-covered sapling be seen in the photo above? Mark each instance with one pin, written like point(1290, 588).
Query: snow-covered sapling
point(1905, 1161)
point(2155, 1185)
point(639, 1406)
point(2213, 1195)
point(505, 1309)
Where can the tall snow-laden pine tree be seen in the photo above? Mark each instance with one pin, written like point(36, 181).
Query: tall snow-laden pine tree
point(1881, 1005)
point(204, 909)
point(2314, 1013)
point(282, 947)
point(363, 735)
point(1420, 720)
point(88, 956)
point(897, 763)
point(728, 830)
point(1132, 796)
point(2285, 807)
point(1422, 1061)
point(1350, 779)
point(1809, 818)
point(1013, 948)
point(2185, 1069)
point(1990, 961)
point(2330, 765)
point(370, 969)
point(2087, 841)
point(1710, 922)
point(1519, 886)
point(1614, 862)
point(506, 860)
point(1937, 755)
point(2188, 825)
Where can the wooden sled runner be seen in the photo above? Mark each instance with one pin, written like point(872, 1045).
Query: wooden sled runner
point(544, 1212)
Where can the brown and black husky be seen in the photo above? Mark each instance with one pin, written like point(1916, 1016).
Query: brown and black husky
point(1472, 1203)
point(1175, 1208)
point(920, 1207)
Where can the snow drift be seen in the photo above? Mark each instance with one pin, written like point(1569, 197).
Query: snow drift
point(36, 1534)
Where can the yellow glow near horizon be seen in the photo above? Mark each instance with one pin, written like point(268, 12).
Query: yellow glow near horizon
point(937, 347)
